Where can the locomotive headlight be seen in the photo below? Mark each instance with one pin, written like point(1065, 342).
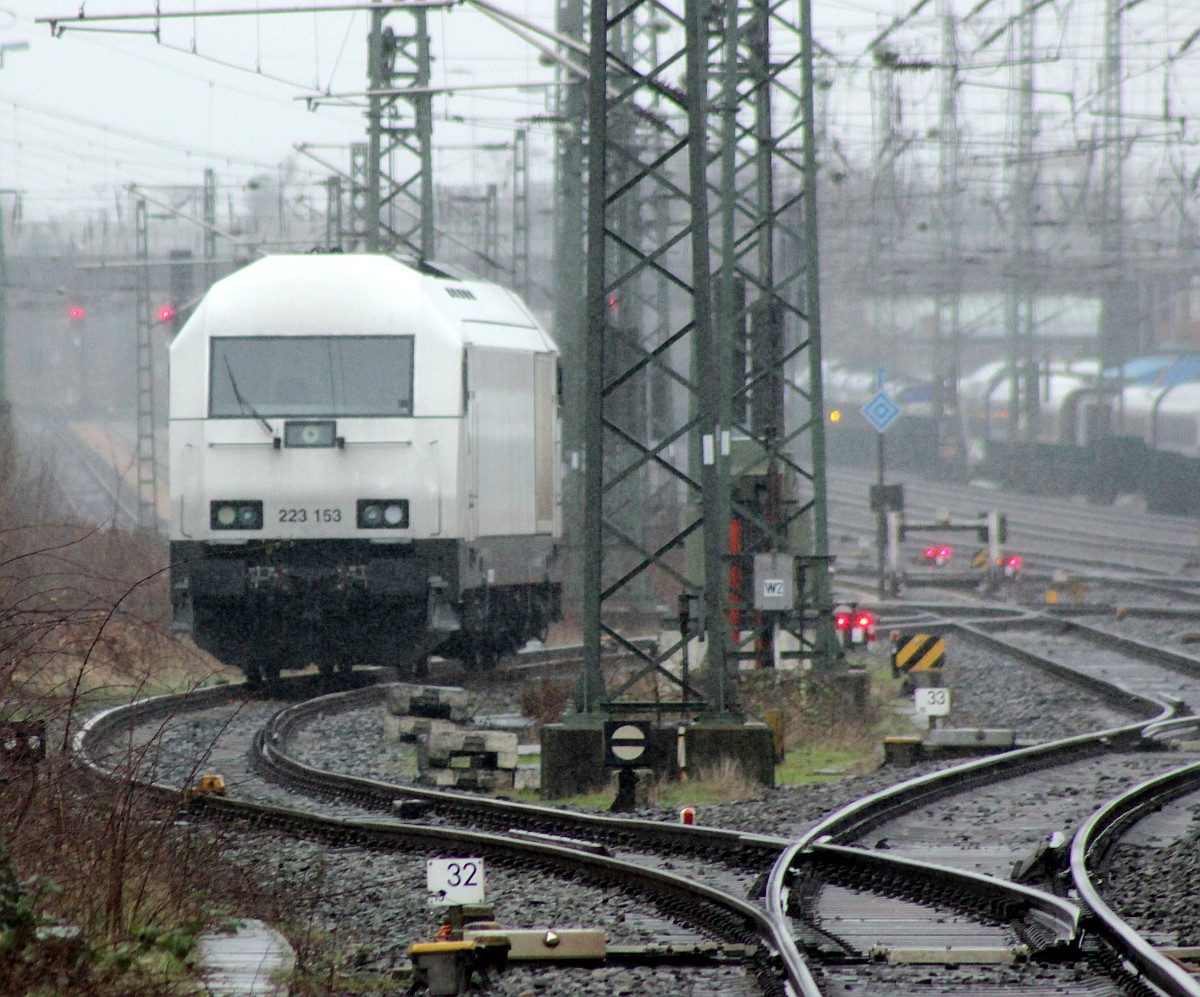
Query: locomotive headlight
point(236, 514)
point(383, 514)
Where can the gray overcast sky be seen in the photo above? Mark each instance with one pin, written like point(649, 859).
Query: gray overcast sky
point(83, 115)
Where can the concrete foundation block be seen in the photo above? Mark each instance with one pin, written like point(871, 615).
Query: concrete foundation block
point(854, 685)
point(443, 746)
point(438, 702)
point(901, 751)
point(572, 760)
point(481, 780)
point(528, 777)
point(409, 729)
point(750, 747)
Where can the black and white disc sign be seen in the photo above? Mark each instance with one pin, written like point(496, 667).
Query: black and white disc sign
point(451, 882)
point(625, 743)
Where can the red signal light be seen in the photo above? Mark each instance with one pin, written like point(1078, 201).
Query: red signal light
point(931, 552)
point(865, 620)
point(166, 313)
point(1014, 561)
point(76, 311)
point(842, 621)
point(944, 552)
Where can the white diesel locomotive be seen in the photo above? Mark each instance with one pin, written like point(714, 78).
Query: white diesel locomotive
point(364, 467)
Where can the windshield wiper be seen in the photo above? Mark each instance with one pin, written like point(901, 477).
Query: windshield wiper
point(241, 400)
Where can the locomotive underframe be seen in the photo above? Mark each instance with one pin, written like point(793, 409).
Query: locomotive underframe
point(267, 606)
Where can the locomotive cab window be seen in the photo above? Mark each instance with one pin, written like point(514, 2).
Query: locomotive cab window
point(329, 376)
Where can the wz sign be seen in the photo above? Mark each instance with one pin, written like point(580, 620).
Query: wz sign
point(774, 582)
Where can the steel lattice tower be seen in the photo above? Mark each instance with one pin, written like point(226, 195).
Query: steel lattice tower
point(147, 451)
point(391, 175)
point(726, 93)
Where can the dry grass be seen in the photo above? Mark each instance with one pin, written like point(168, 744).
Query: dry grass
point(83, 622)
point(815, 709)
point(546, 699)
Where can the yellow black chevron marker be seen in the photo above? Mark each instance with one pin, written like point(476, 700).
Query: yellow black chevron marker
point(918, 653)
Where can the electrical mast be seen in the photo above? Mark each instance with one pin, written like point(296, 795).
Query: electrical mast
point(396, 211)
point(947, 411)
point(1018, 315)
point(734, 149)
point(1116, 313)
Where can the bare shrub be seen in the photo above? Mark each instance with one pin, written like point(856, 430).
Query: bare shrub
point(814, 708)
point(82, 622)
point(545, 700)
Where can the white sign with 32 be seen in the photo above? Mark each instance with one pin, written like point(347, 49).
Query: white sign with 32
point(454, 881)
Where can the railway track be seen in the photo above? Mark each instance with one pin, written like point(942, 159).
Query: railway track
point(90, 488)
point(1050, 534)
point(902, 889)
point(926, 867)
point(672, 913)
point(836, 883)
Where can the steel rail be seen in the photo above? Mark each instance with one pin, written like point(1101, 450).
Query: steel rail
point(678, 892)
point(1088, 846)
point(861, 815)
point(376, 793)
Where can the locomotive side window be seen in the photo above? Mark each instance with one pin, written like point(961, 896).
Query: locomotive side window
point(330, 376)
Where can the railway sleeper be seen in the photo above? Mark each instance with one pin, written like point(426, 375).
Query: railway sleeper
point(1043, 942)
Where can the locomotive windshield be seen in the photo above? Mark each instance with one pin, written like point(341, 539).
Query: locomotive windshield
point(332, 376)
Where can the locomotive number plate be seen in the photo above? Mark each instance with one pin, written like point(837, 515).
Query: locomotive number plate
point(310, 515)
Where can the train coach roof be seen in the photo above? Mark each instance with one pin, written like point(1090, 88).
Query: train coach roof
point(361, 294)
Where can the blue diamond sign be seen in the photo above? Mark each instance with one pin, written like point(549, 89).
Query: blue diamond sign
point(881, 411)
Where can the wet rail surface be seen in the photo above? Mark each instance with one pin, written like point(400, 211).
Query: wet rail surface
point(651, 910)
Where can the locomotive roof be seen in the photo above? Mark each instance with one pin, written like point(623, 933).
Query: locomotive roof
point(361, 294)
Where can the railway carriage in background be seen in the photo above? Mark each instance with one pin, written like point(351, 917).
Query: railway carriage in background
point(364, 467)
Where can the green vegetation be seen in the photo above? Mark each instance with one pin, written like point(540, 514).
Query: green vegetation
point(827, 734)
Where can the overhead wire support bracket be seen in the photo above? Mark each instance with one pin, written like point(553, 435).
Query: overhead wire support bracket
point(63, 23)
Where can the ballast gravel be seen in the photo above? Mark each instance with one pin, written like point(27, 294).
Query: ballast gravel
point(377, 904)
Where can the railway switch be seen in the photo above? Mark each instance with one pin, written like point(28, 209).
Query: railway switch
point(444, 967)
